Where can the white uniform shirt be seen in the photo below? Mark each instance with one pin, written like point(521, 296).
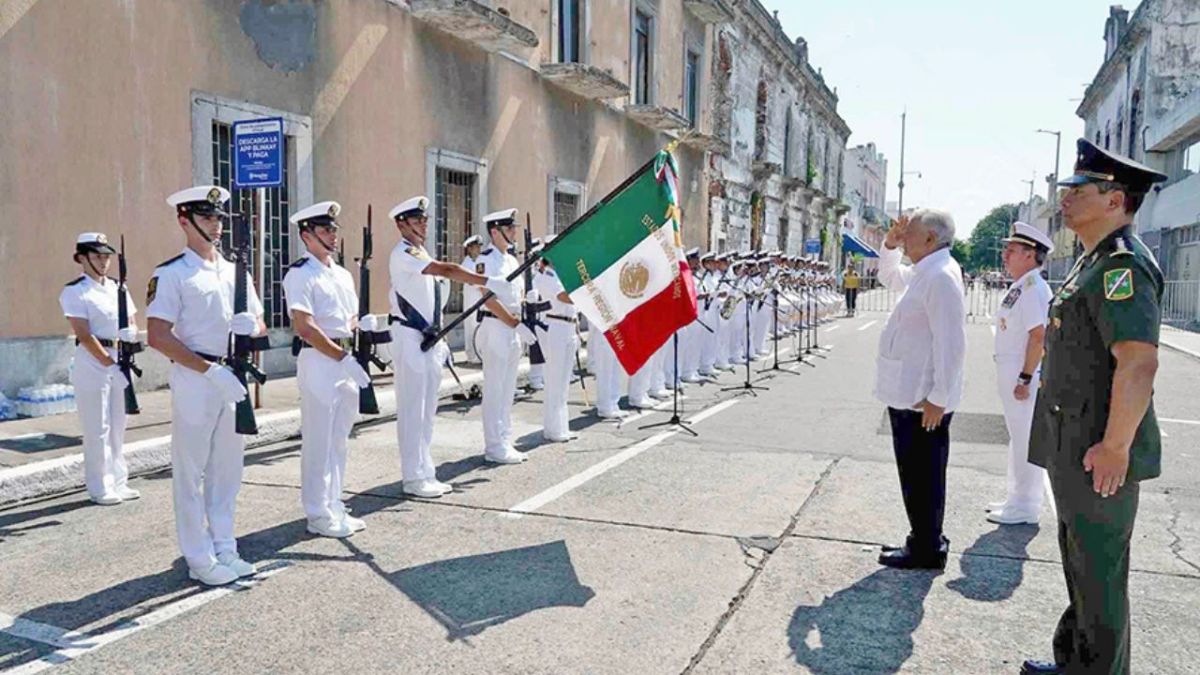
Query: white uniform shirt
point(325, 292)
point(197, 297)
point(471, 293)
point(85, 298)
point(924, 343)
point(548, 285)
point(406, 265)
point(1025, 306)
point(497, 263)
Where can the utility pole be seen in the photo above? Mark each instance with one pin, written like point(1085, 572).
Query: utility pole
point(1054, 192)
point(900, 199)
point(1031, 182)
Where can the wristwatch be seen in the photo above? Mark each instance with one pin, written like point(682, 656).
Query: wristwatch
point(1025, 379)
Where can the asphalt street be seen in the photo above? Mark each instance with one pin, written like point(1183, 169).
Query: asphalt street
point(748, 548)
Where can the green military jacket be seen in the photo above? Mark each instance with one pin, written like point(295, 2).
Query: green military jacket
point(1113, 294)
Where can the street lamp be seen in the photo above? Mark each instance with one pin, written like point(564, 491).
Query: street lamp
point(1054, 193)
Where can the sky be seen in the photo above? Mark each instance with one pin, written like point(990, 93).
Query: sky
point(977, 78)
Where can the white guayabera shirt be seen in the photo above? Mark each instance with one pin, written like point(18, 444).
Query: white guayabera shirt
point(924, 343)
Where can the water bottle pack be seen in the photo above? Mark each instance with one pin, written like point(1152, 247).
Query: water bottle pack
point(51, 399)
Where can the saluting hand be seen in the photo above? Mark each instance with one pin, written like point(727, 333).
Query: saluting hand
point(896, 234)
point(1108, 464)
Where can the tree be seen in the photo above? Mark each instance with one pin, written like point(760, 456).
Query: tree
point(984, 246)
point(961, 251)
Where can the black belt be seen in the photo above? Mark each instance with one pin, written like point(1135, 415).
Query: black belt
point(560, 317)
point(298, 344)
point(103, 343)
point(485, 314)
point(212, 359)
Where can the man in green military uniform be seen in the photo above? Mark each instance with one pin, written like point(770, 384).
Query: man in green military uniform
point(1094, 428)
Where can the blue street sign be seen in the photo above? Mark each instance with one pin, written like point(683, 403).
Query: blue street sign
point(258, 153)
point(812, 246)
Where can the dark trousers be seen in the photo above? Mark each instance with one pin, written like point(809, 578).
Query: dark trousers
point(1093, 535)
point(851, 299)
point(921, 458)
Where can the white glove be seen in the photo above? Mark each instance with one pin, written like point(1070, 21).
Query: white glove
point(244, 323)
point(526, 335)
point(226, 383)
point(127, 334)
point(352, 370)
point(117, 377)
point(367, 323)
point(533, 297)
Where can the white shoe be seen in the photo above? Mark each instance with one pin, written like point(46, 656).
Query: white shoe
point(691, 379)
point(446, 488)
point(612, 414)
point(328, 527)
point(105, 500)
point(560, 439)
point(1012, 518)
point(642, 403)
point(510, 456)
point(663, 393)
point(537, 386)
point(234, 562)
point(355, 524)
point(996, 506)
point(127, 493)
point(425, 489)
point(707, 373)
point(216, 575)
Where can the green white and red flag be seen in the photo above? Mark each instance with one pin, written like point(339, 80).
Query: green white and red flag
point(624, 266)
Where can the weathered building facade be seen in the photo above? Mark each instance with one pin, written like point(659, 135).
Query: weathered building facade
point(865, 192)
point(776, 180)
point(109, 106)
point(1145, 103)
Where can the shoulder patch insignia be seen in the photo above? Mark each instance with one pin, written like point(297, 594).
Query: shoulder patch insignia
point(1011, 298)
point(168, 262)
point(76, 280)
point(1118, 284)
point(479, 268)
point(1122, 248)
point(151, 289)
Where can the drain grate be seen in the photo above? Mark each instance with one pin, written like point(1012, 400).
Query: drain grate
point(31, 443)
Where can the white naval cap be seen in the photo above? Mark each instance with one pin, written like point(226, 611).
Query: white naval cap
point(473, 240)
point(497, 218)
point(1024, 233)
point(708, 256)
point(93, 242)
point(201, 199)
point(321, 213)
point(410, 207)
point(693, 252)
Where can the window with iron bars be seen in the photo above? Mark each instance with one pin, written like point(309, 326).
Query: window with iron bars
point(278, 253)
point(566, 210)
point(454, 212)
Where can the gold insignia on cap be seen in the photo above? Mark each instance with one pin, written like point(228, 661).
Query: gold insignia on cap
point(214, 196)
point(102, 238)
point(333, 210)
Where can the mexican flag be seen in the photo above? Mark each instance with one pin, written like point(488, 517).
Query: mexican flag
point(624, 267)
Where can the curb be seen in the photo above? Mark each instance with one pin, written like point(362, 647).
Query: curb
point(64, 474)
point(1177, 348)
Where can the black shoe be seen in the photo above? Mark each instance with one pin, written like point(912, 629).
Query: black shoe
point(944, 547)
point(1041, 668)
point(905, 559)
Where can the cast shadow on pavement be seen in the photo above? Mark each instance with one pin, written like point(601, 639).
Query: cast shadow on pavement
point(994, 566)
point(866, 627)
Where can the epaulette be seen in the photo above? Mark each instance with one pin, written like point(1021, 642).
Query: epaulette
point(168, 262)
point(77, 280)
point(486, 251)
point(1122, 248)
point(298, 263)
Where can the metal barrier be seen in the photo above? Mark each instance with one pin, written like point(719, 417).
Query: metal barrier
point(982, 299)
point(1181, 305)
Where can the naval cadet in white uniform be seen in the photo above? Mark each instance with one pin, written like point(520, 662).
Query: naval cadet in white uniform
point(1020, 329)
point(471, 248)
point(90, 305)
point(559, 343)
point(419, 291)
point(190, 317)
point(501, 334)
point(323, 304)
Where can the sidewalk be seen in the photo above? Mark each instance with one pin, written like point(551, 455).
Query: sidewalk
point(42, 456)
point(1182, 341)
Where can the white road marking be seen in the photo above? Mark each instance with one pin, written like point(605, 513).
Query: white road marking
point(1163, 434)
point(546, 496)
point(993, 327)
point(646, 412)
point(78, 644)
point(867, 325)
point(833, 328)
point(1168, 419)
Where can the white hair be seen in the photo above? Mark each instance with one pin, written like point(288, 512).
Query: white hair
point(940, 223)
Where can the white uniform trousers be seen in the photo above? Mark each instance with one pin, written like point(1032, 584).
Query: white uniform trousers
point(469, 341)
point(658, 372)
point(721, 343)
point(761, 323)
point(708, 341)
point(101, 407)
point(501, 351)
point(558, 345)
point(737, 335)
point(608, 373)
point(1026, 482)
point(206, 467)
point(537, 371)
point(328, 409)
point(666, 355)
point(690, 344)
point(418, 375)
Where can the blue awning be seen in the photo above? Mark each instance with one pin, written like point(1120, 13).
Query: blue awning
point(852, 244)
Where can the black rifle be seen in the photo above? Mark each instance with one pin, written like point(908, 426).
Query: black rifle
point(126, 350)
point(241, 347)
point(530, 311)
point(365, 341)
